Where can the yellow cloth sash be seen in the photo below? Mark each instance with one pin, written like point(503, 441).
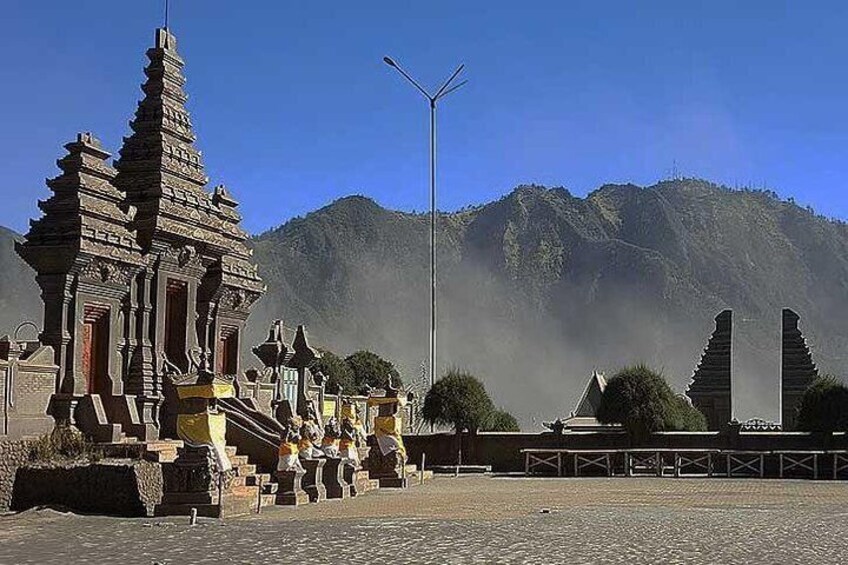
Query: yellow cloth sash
point(289, 449)
point(204, 429)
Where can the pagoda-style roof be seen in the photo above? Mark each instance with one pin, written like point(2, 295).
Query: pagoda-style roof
point(162, 172)
point(85, 215)
point(590, 400)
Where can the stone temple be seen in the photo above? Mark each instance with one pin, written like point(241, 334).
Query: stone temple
point(147, 283)
point(142, 271)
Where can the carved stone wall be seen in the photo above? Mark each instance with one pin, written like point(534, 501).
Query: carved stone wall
point(797, 369)
point(710, 389)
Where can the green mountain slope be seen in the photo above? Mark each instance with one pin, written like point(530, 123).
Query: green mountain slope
point(19, 295)
point(540, 287)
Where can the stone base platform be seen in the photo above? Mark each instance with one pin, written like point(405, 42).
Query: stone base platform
point(290, 491)
point(313, 480)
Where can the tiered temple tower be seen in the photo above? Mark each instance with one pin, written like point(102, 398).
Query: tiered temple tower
point(710, 389)
point(797, 369)
point(143, 272)
point(85, 256)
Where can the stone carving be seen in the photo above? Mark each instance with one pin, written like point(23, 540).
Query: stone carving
point(237, 299)
point(557, 426)
point(99, 270)
point(273, 351)
point(184, 256)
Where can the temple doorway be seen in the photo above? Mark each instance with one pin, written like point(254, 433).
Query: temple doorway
point(176, 315)
point(95, 349)
point(227, 351)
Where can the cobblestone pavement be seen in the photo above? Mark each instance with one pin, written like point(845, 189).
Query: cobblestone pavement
point(476, 520)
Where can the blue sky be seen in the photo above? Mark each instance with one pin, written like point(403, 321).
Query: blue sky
point(294, 107)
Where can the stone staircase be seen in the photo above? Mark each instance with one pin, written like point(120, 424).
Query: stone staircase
point(247, 476)
point(244, 493)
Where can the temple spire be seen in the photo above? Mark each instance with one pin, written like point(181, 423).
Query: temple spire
point(160, 169)
point(161, 172)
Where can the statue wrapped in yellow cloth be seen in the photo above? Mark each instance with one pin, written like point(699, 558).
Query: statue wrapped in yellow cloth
point(289, 459)
point(310, 435)
point(330, 443)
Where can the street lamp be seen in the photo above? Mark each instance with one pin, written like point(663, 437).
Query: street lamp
point(443, 91)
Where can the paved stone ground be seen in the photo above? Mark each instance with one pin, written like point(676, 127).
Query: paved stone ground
point(476, 520)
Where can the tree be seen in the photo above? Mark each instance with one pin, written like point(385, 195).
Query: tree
point(642, 402)
point(501, 421)
point(459, 400)
point(370, 369)
point(824, 407)
point(338, 372)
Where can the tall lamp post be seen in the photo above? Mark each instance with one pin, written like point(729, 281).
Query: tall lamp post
point(446, 88)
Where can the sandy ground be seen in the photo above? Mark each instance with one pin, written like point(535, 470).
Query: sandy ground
point(477, 520)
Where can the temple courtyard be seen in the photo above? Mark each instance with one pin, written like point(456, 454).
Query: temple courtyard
point(476, 520)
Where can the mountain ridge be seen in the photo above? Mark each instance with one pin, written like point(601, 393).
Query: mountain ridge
point(539, 287)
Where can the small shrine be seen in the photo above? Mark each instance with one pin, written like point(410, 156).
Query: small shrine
point(387, 457)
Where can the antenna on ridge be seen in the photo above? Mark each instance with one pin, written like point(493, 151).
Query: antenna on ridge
point(167, 6)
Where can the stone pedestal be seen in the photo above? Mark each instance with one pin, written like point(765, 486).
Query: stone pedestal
point(388, 469)
point(313, 480)
point(333, 478)
point(290, 491)
point(191, 482)
point(358, 479)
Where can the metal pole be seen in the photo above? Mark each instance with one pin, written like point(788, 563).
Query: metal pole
point(432, 245)
point(447, 87)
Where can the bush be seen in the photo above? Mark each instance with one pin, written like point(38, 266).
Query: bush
point(824, 407)
point(501, 421)
point(642, 402)
point(370, 369)
point(682, 416)
point(63, 444)
point(459, 400)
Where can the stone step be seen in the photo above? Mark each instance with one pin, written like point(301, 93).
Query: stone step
point(238, 460)
point(245, 470)
point(252, 480)
point(269, 500)
point(298, 498)
point(160, 456)
point(232, 505)
point(230, 450)
point(164, 444)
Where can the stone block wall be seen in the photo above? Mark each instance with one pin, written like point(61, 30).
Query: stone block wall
point(31, 393)
point(118, 488)
point(13, 455)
